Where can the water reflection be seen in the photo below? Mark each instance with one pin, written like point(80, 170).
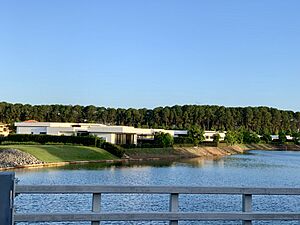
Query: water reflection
point(256, 169)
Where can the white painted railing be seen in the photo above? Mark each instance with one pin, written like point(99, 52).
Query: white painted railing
point(174, 215)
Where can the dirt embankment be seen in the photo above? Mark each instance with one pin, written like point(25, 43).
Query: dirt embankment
point(14, 158)
point(210, 151)
point(201, 151)
point(183, 152)
point(287, 147)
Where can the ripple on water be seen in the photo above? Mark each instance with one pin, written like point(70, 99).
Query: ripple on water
point(260, 169)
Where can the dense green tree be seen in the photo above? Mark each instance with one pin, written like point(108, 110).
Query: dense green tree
point(296, 137)
point(163, 140)
point(248, 117)
point(266, 138)
point(196, 134)
point(250, 137)
point(230, 138)
point(282, 137)
point(216, 138)
point(256, 119)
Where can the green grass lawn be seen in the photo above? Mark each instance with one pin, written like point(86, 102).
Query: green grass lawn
point(60, 153)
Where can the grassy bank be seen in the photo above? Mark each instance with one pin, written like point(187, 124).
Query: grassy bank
point(62, 153)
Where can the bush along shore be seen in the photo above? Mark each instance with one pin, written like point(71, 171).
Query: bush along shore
point(91, 141)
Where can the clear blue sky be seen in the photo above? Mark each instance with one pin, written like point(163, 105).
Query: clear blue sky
point(139, 53)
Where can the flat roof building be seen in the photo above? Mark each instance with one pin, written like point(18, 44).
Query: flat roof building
point(112, 134)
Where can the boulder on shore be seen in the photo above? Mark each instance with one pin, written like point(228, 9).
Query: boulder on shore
point(14, 157)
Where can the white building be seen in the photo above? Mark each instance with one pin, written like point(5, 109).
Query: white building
point(209, 135)
point(112, 134)
point(276, 137)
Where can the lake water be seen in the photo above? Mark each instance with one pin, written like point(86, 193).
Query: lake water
point(255, 169)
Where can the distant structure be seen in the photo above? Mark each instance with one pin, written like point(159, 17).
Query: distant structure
point(112, 134)
point(276, 137)
point(4, 129)
point(209, 135)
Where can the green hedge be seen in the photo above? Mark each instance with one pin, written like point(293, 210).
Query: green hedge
point(113, 149)
point(19, 143)
point(184, 145)
point(42, 139)
point(183, 140)
point(77, 140)
point(147, 144)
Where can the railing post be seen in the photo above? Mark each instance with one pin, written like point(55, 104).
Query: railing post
point(7, 185)
point(96, 206)
point(247, 206)
point(174, 206)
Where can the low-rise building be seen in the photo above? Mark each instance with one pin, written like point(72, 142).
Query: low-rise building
point(275, 137)
point(112, 134)
point(209, 135)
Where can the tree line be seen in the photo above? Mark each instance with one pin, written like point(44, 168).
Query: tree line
point(257, 119)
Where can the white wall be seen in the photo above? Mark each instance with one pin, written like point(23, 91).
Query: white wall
point(31, 130)
point(209, 135)
point(107, 137)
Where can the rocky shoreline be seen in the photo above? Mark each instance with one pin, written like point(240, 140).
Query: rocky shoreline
point(14, 158)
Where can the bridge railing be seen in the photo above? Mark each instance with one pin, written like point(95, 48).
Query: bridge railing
point(174, 215)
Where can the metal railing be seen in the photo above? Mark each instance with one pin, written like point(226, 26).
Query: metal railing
point(174, 215)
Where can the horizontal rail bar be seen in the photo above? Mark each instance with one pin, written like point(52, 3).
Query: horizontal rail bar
point(56, 189)
point(163, 216)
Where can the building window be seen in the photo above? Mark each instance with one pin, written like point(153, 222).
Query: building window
point(122, 139)
point(83, 133)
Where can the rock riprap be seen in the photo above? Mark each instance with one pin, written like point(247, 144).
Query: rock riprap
point(14, 157)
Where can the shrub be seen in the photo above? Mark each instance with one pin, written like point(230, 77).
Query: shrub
point(216, 138)
point(19, 143)
point(266, 138)
point(250, 137)
point(183, 140)
point(51, 139)
point(59, 143)
point(128, 146)
point(197, 135)
point(113, 149)
point(163, 140)
point(43, 139)
point(282, 137)
point(148, 144)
